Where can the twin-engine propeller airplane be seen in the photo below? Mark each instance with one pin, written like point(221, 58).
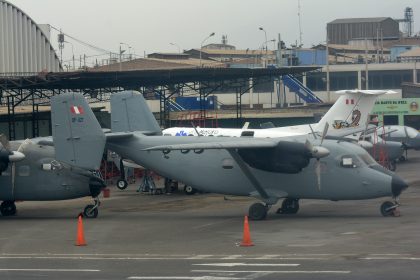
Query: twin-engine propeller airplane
point(293, 168)
point(31, 170)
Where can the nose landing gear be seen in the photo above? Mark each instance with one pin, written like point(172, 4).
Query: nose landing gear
point(389, 208)
point(91, 211)
point(8, 208)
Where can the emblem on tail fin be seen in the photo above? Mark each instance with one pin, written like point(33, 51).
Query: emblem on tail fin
point(77, 110)
point(355, 119)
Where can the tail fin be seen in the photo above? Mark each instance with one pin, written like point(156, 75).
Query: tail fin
point(130, 112)
point(77, 135)
point(351, 109)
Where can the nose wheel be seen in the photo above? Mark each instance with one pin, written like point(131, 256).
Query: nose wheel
point(91, 211)
point(8, 208)
point(390, 209)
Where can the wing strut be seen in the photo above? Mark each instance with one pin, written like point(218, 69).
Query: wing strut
point(245, 169)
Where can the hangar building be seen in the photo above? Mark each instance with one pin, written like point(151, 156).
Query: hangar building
point(27, 47)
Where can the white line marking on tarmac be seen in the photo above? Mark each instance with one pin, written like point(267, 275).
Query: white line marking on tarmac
point(247, 264)
point(182, 278)
point(306, 245)
point(277, 271)
point(390, 258)
point(49, 270)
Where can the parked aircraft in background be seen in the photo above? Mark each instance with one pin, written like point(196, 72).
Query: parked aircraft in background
point(408, 136)
point(348, 115)
point(293, 168)
point(31, 172)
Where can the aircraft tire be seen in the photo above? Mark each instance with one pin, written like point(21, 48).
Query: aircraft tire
point(89, 213)
point(289, 206)
point(122, 184)
point(385, 208)
point(402, 159)
point(189, 190)
point(257, 212)
point(8, 208)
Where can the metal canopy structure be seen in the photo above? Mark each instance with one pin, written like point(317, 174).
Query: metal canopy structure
point(37, 88)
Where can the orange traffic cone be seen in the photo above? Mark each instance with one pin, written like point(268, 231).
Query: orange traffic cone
point(80, 241)
point(246, 239)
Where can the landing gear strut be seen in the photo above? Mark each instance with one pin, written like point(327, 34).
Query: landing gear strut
point(122, 182)
point(258, 211)
point(8, 208)
point(91, 211)
point(289, 206)
point(389, 208)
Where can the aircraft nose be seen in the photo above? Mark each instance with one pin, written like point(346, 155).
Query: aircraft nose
point(398, 185)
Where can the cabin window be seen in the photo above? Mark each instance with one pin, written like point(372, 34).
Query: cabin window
point(247, 133)
point(24, 171)
point(349, 162)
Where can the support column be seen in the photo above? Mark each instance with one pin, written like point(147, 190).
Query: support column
point(251, 93)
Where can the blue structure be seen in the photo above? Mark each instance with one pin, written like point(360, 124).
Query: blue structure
point(297, 87)
point(399, 49)
point(193, 103)
point(310, 56)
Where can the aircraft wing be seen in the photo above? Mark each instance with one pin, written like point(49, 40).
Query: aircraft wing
point(212, 145)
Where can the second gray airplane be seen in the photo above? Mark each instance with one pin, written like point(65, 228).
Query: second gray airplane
point(292, 168)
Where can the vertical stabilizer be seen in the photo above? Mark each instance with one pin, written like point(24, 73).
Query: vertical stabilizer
point(78, 137)
point(351, 109)
point(130, 112)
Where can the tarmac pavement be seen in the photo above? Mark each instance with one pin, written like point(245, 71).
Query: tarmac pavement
point(141, 236)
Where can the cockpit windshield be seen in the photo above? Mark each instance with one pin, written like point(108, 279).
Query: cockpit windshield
point(368, 159)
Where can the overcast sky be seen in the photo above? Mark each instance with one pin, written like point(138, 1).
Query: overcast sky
point(151, 25)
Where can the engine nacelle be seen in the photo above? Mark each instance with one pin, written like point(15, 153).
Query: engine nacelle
point(289, 158)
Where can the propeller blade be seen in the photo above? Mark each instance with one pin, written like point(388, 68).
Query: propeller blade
point(312, 130)
point(318, 173)
point(5, 142)
point(324, 133)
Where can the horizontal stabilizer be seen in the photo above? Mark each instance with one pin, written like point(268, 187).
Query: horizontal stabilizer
point(130, 112)
point(77, 135)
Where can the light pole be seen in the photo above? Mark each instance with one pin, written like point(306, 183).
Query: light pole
point(121, 52)
point(265, 33)
point(72, 52)
point(129, 48)
point(201, 46)
point(176, 45)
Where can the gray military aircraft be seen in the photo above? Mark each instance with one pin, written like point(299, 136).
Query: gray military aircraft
point(408, 136)
point(293, 168)
point(31, 170)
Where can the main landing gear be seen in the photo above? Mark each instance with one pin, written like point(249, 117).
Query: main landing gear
point(289, 206)
point(258, 211)
point(8, 208)
point(91, 210)
point(389, 208)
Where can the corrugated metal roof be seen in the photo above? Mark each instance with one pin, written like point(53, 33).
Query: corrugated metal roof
point(359, 20)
